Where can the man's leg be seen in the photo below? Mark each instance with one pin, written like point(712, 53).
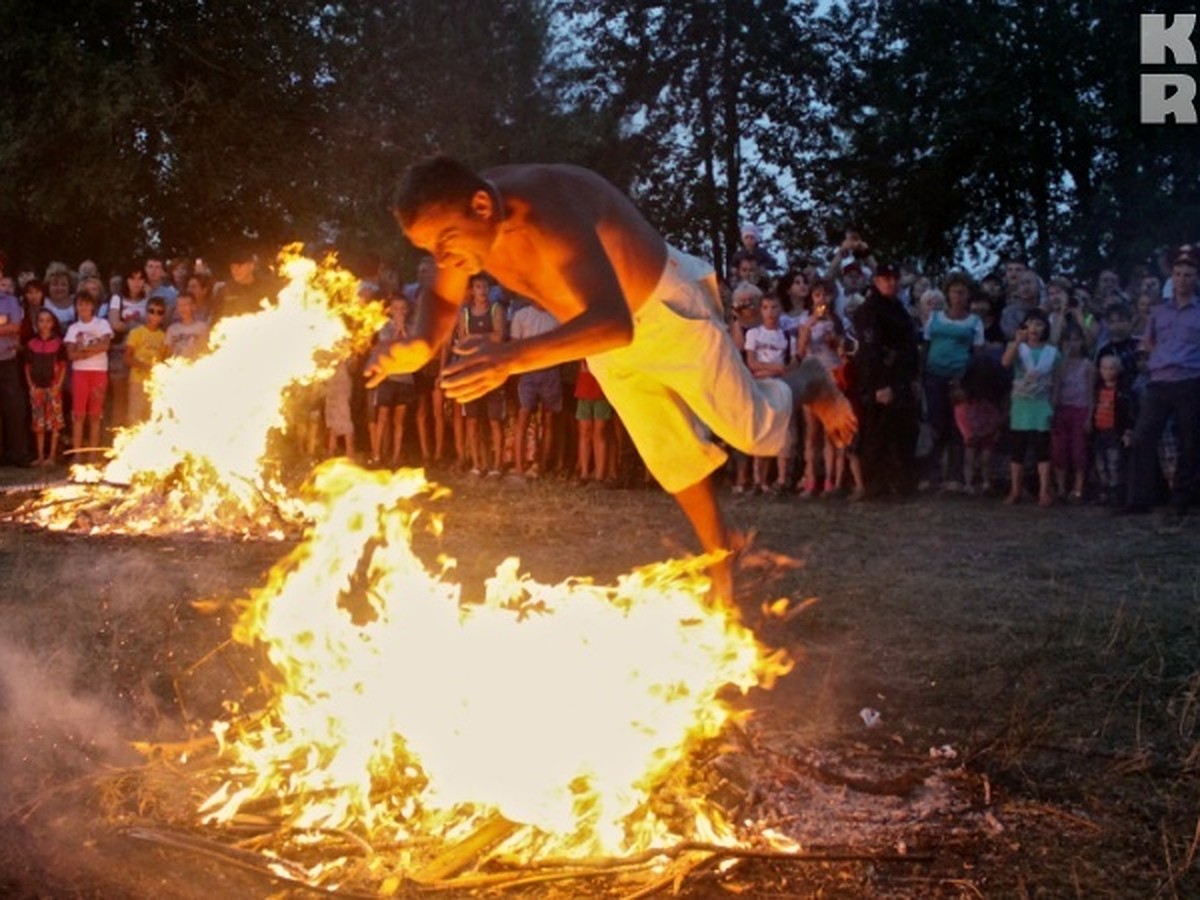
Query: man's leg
point(699, 504)
point(1187, 419)
point(1152, 418)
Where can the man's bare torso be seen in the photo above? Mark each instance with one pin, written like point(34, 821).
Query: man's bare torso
point(564, 230)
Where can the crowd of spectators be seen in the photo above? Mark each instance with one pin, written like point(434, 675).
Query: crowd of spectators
point(1017, 385)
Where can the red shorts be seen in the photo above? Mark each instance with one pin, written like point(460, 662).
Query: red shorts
point(87, 393)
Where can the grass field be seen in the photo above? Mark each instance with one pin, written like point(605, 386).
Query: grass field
point(1051, 658)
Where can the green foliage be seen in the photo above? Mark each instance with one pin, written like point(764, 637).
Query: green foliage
point(933, 126)
point(717, 104)
point(1006, 120)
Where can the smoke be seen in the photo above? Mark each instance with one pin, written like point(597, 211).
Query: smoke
point(49, 728)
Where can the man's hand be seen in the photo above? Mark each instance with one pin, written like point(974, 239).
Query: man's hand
point(837, 418)
point(485, 366)
point(400, 358)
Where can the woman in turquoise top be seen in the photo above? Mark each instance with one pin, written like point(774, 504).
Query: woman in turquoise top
point(952, 336)
point(1036, 371)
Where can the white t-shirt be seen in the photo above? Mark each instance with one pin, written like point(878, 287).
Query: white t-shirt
point(530, 321)
point(84, 334)
point(768, 345)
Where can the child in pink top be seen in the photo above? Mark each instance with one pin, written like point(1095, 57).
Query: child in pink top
point(45, 370)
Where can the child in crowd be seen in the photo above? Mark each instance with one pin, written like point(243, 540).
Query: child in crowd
point(822, 337)
point(745, 305)
point(769, 353)
point(87, 341)
point(481, 316)
point(978, 415)
point(187, 336)
point(45, 370)
point(1112, 429)
point(145, 347)
point(1035, 366)
point(1072, 415)
point(1121, 343)
point(593, 413)
point(395, 393)
point(126, 311)
point(339, 424)
point(33, 294)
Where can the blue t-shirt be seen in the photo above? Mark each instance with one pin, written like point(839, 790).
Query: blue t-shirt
point(950, 343)
point(10, 307)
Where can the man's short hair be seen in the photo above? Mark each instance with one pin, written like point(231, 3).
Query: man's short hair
point(434, 182)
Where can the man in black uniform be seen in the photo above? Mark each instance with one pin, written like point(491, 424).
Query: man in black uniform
point(887, 370)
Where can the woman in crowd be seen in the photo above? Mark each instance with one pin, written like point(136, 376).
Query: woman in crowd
point(952, 336)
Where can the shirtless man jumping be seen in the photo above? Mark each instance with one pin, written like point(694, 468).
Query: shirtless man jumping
point(646, 317)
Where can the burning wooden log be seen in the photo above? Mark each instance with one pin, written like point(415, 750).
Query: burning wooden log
point(493, 831)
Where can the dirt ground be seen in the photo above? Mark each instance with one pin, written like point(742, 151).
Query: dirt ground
point(1035, 674)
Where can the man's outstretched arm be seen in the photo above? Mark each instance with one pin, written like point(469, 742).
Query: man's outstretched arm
point(436, 316)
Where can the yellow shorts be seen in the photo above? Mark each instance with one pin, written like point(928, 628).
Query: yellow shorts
point(681, 376)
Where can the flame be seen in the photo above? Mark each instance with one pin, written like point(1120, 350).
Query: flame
point(202, 460)
point(392, 709)
point(399, 711)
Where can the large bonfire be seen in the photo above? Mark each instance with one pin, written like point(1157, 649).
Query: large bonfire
point(556, 719)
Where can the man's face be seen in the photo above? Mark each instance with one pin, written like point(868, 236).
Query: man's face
point(154, 271)
point(457, 238)
point(1012, 273)
point(853, 280)
point(1056, 298)
point(242, 271)
point(749, 241)
point(770, 311)
point(1027, 286)
point(887, 284)
point(747, 270)
point(1183, 280)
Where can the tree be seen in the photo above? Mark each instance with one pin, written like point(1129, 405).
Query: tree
point(1007, 121)
point(717, 100)
point(124, 127)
